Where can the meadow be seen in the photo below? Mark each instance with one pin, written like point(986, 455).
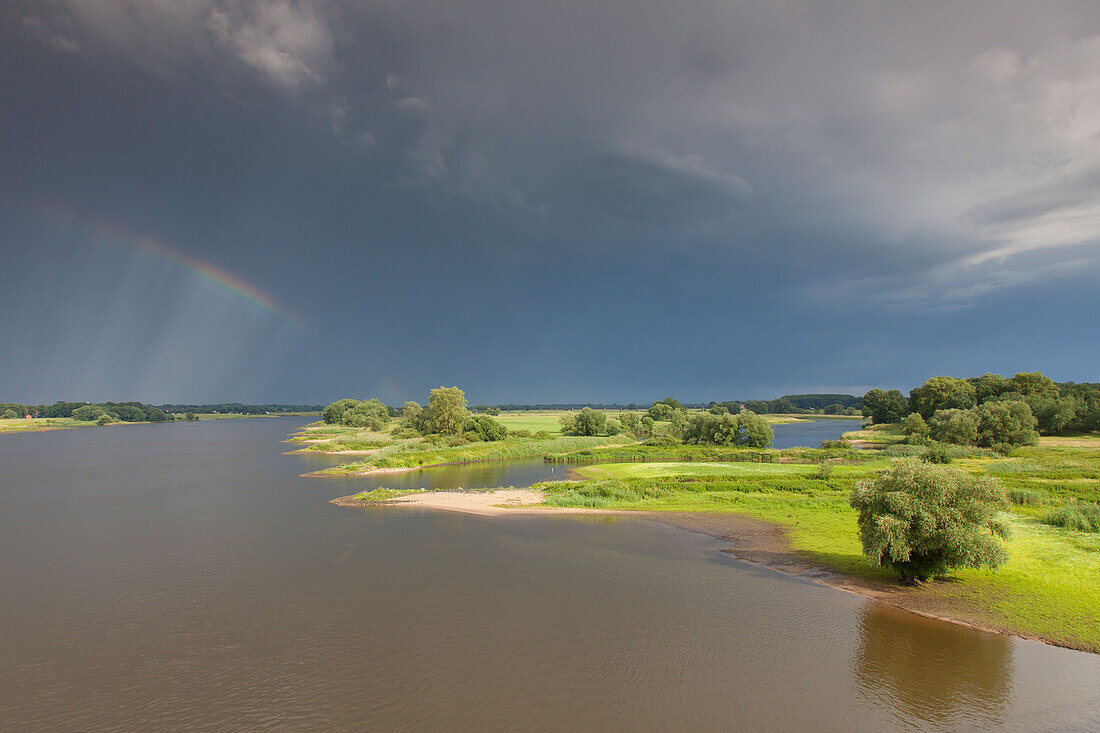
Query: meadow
point(1049, 589)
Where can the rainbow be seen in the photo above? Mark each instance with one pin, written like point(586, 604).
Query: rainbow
point(209, 272)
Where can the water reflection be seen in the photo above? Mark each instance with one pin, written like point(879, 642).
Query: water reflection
point(932, 673)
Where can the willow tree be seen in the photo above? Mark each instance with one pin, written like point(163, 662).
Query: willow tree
point(924, 520)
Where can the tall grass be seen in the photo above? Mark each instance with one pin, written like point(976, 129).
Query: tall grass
point(1077, 516)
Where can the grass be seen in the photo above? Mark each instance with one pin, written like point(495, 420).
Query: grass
point(1049, 588)
point(415, 455)
point(38, 424)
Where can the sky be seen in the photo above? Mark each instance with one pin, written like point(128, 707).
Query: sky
point(276, 201)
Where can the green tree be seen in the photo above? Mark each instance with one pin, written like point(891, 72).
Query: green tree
point(712, 429)
point(333, 414)
point(954, 426)
point(1035, 384)
point(87, 413)
point(1002, 423)
point(754, 431)
point(191, 416)
point(587, 422)
point(366, 414)
point(630, 421)
point(446, 412)
point(660, 411)
point(942, 393)
point(923, 520)
point(989, 386)
point(678, 421)
point(9, 414)
point(915, 428)
point(484, 428)
point(410, 413)
point(884, 406)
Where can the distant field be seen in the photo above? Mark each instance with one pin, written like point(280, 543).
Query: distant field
point(23, 425)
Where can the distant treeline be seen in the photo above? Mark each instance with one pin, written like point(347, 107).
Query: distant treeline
point(236, 408)
point(795, 403)
point(124, 411)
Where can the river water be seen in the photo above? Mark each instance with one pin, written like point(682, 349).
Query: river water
point(183, 577)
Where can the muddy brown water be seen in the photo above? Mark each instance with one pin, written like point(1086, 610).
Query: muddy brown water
point(183, 577)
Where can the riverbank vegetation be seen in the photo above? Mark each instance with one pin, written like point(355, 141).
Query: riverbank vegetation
point(1040, 493)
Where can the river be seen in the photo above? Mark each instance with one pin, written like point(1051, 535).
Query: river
point(183, 577)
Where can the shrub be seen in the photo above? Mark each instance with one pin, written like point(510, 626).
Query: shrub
point(824, 471)
point(661, 441)
point(446, 412)
point(1076, 516)
point(1006, 423)
point(884, 407)
point(936, 453)
point(954, 426)
point(585, 422)
point(521, 433)
point(484, 428)
point(88, 413)
point(915, 428)
point(9, 414)
point(743, 429)
point(1026, 497)
point(836, 443)
point(923, 520)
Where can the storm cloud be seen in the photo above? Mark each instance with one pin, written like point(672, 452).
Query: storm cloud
point(556, 201)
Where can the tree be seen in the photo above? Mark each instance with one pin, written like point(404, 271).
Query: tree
point(9, 414)
point(87, 413)
point(446, 412)
point(678, 421)
point(989, 386)
point(1006, 423)
point(630, 421)
point(484, 428)
point(410, 413)
point(1034, 384)
point(711, 429)
point(884, 407)
point(923, 520)
point(586, 422)
point(915, 428)
point(660, 411)
point(754, 431)
point(954, 426)
point(366, 414)
point(942, 393)
point(333, 414)
point(191, 416)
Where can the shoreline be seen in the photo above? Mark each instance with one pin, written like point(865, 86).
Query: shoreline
point(755, 541)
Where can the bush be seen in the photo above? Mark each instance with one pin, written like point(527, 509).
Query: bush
point(1006, 423)
point(836, 443)
point(936, 453)
point(521, 433)
point(9, 414)
point(1026, 497)
point(743, 429)
point(924, 520)
point(1076, 516)
point(915, 428)
point(484, 428)
point(884, 407)
point(954, 426)
point(824, 471)
point(585, 422)
point(88, 413)
point(661, 441)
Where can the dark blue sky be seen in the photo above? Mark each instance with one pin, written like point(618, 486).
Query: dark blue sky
point(539, 201)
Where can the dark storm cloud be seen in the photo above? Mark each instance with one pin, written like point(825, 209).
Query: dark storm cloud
point(702, 174)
